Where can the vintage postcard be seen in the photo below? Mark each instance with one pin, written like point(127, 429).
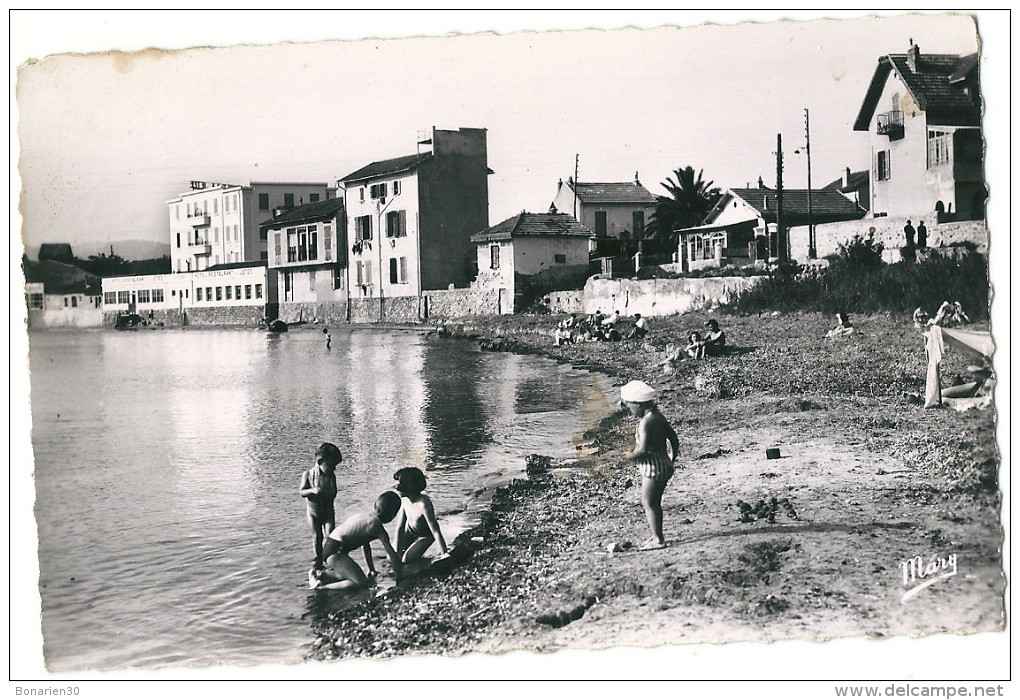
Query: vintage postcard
point(651, 345)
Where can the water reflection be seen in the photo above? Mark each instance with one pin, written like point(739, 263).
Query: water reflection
point(168, 463)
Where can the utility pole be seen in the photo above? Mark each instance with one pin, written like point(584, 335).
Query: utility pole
point(780, 248)
point(577, 161)
point(812, 251)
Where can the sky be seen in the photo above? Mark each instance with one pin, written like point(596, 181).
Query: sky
point(107, 138)
point(104, 140)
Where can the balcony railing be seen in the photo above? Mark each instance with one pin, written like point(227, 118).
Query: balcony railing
point(198, 219)
point(890, 124)
point(200, 248)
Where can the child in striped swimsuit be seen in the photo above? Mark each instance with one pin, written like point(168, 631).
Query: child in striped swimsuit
point(651, 455)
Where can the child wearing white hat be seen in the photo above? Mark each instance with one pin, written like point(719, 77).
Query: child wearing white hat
point(650, 454)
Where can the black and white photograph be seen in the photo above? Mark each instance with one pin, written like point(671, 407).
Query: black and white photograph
point(395, 345)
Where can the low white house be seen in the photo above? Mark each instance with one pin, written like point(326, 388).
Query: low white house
point(532, 253)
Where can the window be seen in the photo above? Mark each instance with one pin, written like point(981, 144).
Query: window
point(157, 296)
point(35, 299)
point(237, 234)
point(226, 204)
point(229, 293)
point(940, 145)
point(143, 296)
point(258, 291)
point(217, 260)
point(276, 248)
point(247, 291)
point(237, 291)
point(313, 243)
point(494, 257)
point(882, 165)
point(313, 197)
point(600, 223)
point(74, 302)
point(188, 213)
point(216, 206)
point(361, 194)
point(327, 242)
point(311, 280)
point(219, 293)
point(288, 199)
point(292, 239)
point(208, 293)
point(263, 255)
point(108, 298)
point(66, 302)
point(235, 202)
point(198, 294)
point(403, 270)
point(123, 297)
point(638, 221)
point(178, 240)
point(177, 212)
point(378, 191)
point(263, 201)
point(216, 234)
point(359, 276)
point(363, 228)
point(396, 224)
point(338, 278)
point(396, 187)
point(393, 271)
point(560, 258)
point(368, 272)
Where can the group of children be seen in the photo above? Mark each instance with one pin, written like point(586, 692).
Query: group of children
point(417, 527)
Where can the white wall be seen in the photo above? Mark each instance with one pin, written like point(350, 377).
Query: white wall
point(384, 248)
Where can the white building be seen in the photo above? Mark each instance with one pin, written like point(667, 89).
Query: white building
point(214, 223)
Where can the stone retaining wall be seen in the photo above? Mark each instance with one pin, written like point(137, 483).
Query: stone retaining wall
point(888, 232)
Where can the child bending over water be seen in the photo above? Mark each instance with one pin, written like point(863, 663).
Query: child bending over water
point(651, 455)
point(359, 530)
point(417, 527)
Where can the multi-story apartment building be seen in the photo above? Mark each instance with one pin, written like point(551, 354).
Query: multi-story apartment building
point(410, 219)
point(215, 223)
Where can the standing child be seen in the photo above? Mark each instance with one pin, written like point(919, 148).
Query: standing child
point(651, 455)
point(417, 527)
point(359, 530)
point(318, 486)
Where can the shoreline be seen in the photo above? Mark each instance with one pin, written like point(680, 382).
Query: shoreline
point(873, 478)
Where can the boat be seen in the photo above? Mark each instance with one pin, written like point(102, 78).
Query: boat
point(277, 326)
point(127, 322)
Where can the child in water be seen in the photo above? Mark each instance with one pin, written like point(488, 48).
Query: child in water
point(651, 455)
point(318, 486)
point(417, 527)
point(359, 530)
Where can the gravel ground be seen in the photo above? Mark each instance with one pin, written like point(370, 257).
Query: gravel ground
point(867, 480)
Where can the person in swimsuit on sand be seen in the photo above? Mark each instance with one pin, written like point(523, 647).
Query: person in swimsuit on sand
point(417, 527)
point(359, 530)
point(651, 454)
point(318, 486)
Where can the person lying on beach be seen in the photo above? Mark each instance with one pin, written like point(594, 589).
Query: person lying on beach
point(318, 487)
point(417, 527)
point(843, 327)
point(650, 454)
point(715, 342)
point(695, 348)
point(359, 530)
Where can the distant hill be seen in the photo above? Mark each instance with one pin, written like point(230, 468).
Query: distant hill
point(133, 249)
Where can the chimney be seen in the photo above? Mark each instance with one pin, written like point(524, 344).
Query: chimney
point(761, 183)
point(913, 54)
point(846, 178)
point(636, 180)
point(552, 207)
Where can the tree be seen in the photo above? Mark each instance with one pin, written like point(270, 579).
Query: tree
point(104, 265)
point(689, 202)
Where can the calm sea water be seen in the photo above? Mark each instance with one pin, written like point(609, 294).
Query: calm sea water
point(168, 462)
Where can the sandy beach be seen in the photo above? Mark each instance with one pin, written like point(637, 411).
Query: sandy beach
point(866, 481)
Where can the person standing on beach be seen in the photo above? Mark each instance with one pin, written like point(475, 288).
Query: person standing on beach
point(922, 235)
point(651, 454)
point(318, 487)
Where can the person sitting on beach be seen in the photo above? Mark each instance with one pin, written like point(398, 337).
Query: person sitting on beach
point(318, 487)
point(640, 329)
point(695, 348)
point(959, 317)
point(359, 530)
point(612, 319)
point(417, 527)
point(650, 454)
point(595, 320)
point(843, 327)
point(715, 342)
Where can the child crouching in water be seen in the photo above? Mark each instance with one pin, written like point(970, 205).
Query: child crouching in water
point(417, 527)
point(359, 530)
point(651, 455)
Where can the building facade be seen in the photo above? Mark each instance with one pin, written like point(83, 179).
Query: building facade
point(532, 253)
point(410, 219)
point(215, 223)
point(308, 252)
point(923, 116)
point(611, 210)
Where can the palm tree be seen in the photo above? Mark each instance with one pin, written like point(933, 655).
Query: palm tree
point(689, 202)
